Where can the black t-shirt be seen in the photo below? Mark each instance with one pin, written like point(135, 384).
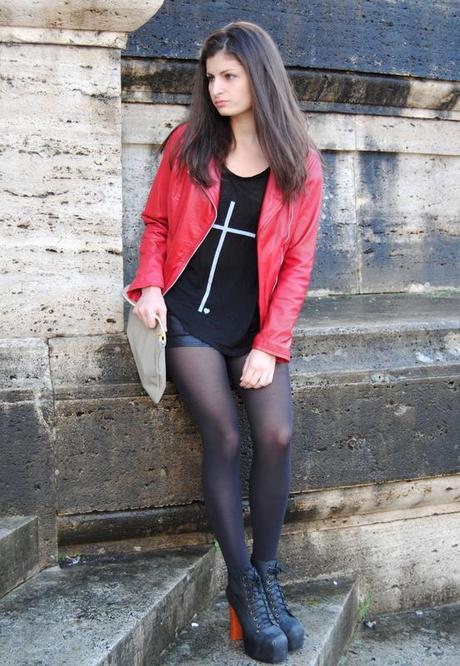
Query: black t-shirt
point(216, 297)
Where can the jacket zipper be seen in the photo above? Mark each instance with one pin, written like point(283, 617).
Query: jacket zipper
point(201, 241)
point(282, 256)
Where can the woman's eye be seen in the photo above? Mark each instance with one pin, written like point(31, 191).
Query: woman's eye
point(211, 78)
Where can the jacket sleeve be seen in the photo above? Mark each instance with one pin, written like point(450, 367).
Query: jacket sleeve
point(275, 336)
point(152, 247)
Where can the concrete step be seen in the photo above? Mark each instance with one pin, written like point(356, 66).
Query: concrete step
point(327, 608)
point(122, 613)
point(18, 550)
point(421, 637)
point(333, 333)
point(377, 332)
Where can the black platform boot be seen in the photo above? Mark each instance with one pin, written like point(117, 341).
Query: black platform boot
point(294, 630)
point(251, 619)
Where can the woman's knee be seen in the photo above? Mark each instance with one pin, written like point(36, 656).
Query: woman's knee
point(283, 437)
point(225, 441)
point(278, 438)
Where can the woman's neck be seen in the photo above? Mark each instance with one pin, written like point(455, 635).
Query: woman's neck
point(247, 157)
point(244, 131)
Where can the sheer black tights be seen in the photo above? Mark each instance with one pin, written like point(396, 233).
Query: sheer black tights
point(204, 378)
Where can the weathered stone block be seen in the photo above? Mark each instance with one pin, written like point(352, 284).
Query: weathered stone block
point(26, 439)
point(18, 550)
point(351, 429)
point(407, 39)
point(336, 267)
point(124, 454)
point(61, 190)
point(408, 135)
point(401, 563)
point(140, 163)
point(408, 213)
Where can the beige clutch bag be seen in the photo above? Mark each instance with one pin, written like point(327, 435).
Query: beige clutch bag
point(148, 349)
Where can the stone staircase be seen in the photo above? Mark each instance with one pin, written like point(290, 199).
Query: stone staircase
point(168, 609)
point(368, 373)
point(128, 611)
point(100, 611)
point(327, 609)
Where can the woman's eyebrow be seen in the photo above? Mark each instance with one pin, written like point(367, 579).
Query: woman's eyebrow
point(231, 69)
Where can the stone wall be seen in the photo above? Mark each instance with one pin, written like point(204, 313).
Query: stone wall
point(61, 192)
point(378, 83)
point(390, 219)
point(82, 446)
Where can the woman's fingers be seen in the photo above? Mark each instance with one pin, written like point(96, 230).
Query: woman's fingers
point(146, 316)
point(255, 379)
point(147, 308)
point(258, 369)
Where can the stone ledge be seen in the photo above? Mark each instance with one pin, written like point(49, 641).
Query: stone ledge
point(144, 80)
point(400, 563)
point(329, 508)
point(149, 124)
point(127, 453)
point(92, 15)
point(14, 35)
point(362, 338)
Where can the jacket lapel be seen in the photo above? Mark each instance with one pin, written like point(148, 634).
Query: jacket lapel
point(272, 201)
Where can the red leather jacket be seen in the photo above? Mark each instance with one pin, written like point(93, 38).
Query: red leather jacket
point(179, 213)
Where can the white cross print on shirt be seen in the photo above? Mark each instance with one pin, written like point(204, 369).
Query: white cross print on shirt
point(225, 228)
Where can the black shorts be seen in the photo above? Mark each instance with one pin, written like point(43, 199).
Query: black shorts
point(178, 336)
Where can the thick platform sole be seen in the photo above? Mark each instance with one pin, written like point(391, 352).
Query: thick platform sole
point(270, 652)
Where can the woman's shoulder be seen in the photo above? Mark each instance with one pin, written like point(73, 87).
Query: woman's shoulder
point(314, 182)
point(170, 146)
point(314, 164)
point(175, 135)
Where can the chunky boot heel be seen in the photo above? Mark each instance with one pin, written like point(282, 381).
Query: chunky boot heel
point(268, 572)
point(236, 630)
point(251, 619)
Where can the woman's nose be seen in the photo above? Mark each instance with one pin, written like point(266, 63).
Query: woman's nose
point(217, 87)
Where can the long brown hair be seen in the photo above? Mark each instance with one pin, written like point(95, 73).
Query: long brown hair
point(279, 122)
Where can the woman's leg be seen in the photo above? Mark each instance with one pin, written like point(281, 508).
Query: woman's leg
point(270, 415)
point(201, 378)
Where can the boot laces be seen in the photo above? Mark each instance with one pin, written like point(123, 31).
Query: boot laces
point(257, 602)
point(274, 590)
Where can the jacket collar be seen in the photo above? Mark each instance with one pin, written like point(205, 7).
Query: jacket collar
point(272, 201)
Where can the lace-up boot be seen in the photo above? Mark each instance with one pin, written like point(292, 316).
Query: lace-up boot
point(268, 571)
point(251, 619)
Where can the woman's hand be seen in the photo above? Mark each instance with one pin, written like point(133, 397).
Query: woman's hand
point(258, 369)
point(149, 304)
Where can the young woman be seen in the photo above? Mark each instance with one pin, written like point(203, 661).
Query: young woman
point(225, 261)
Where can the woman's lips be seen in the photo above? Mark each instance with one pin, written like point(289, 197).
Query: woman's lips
point(221, 103)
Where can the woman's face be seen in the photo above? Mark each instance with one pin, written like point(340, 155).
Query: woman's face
point(228, 82)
